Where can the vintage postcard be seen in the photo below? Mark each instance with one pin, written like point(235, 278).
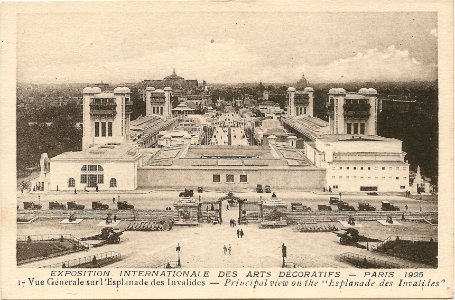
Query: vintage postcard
point(239, 149)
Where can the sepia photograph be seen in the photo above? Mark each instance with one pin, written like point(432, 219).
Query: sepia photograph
point(254, 139)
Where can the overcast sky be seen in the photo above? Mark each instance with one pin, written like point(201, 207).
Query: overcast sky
point(226, 47)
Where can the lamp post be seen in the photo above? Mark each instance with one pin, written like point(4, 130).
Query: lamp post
point(178, 255)
point(283, 253)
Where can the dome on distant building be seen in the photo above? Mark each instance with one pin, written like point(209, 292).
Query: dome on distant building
point(291, 89)
point(302, 83)
point(173, 76)
point(91, 90)
point(122, 90)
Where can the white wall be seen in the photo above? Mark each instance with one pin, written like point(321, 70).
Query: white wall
point(124, 172)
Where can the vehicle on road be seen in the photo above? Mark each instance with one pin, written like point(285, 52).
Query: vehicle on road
point(372, 193)
point(97, 205)
point(74, 206)
point(186, 193)
point(200, 189)
point(31, 205)
point(366, 207)
point(298, 206)
point(123, 205)
point(343, 206)
point(387, 206)
point(334, 200)
point(323, 207)
point(268, 189)
point(259, 188)
point(56, 205)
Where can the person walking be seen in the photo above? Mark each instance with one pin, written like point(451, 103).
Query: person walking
point(225, 249)
point(238, 233)
point(229, 249)
point(406, 207)
point(241, 233)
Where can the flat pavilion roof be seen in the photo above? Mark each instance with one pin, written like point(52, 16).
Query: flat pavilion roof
point(227, 151)
point(353, 137)
point(114, 151)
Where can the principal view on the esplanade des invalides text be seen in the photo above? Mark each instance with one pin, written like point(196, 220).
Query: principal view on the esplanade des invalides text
point(222, 140)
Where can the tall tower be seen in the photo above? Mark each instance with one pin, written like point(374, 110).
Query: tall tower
point(300, 102)
point(158, 102)
point(291, 105)
point(336, 111)
point(353, 113)
point(106, 116)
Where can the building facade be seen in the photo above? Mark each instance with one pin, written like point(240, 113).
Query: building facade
point(106, 116)
point(360, 164)
point(353, 113)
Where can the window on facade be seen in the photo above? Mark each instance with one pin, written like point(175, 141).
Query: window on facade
point(341, 168)
point(84, 178)
point(92, 175)
point(356, 128)
point(375, 168)
point(383, 168)
point(390, 168)
point(103, 128)
point(348, 128)
point(361, 168)
point(347, 177)
point(97, 128)
point(109, 128)
point(304, 110)
point(369, 177)
point(335, 186)
point(404, 168)
point(369, 168)
point(362, 128)
point(243, 178)
point(402, 187)
point(347, 168)
point(355, 177)
point(113, 182)
point(355, 168)
point(161, 110)
point(397, 178)
point(361, 177)
point(229, 178)
point(71, 182)
point(216, 178)
point(404, 178)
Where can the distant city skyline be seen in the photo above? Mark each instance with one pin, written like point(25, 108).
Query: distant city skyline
point(227, 47)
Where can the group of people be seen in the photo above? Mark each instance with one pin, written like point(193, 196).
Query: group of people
point(240, 233)
point(232, 223)
point(109, 219)
point(227, 249)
